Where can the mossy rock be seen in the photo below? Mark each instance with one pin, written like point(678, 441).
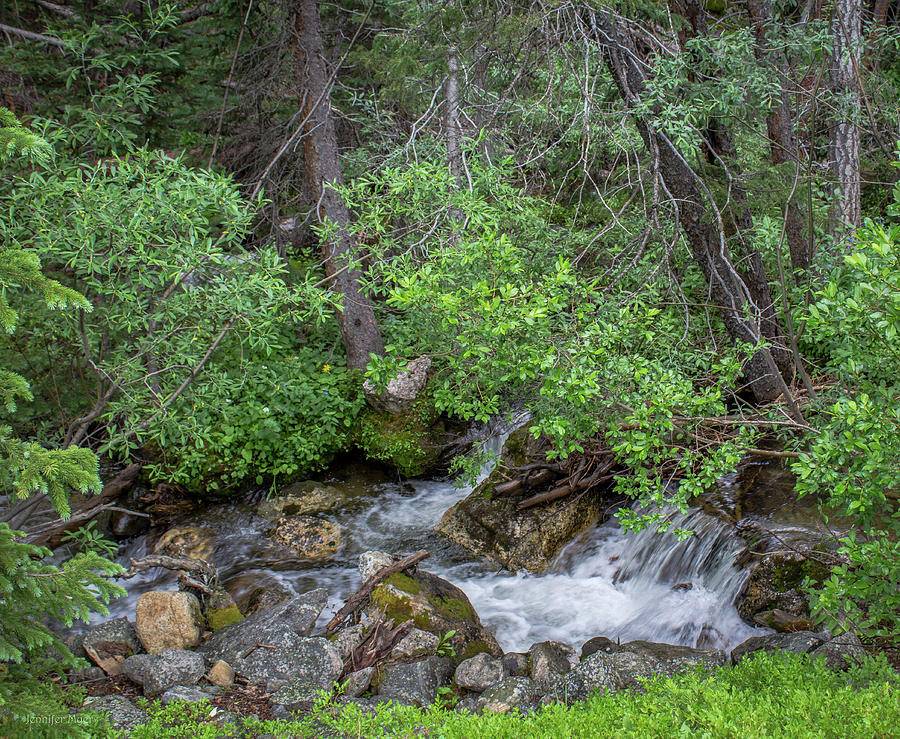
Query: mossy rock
point(410, 441)
point(436, 606)
point(222, 611)
point(776, 584)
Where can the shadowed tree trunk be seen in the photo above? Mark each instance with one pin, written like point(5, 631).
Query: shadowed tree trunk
point(845, 60)
point(705, 239)
point(339, 251)
point(780, 129)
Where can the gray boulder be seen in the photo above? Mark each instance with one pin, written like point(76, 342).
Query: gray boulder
point(156, 673)
point(841, 652)
point(298, 694)
point(416, 643)
point(516, 663)
point(799, 642)
point(370, 563)
point(278, 625)
point(415, 683)
point(118, 633)
point(480, 672)
point(121, 712)
point(672, 658)
point(304, 661)
point(550, 660)
point(357, 683)
point(402, 390)
point(513, 692)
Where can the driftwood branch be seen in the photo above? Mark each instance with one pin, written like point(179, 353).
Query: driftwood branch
point(182, 564)
point(31, 36)
point(377, 645)
point(359, 598)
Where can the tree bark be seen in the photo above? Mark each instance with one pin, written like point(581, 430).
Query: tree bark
point(339, 251)
point(705, 240)
point(847, 33)
point(452, 131)
point(780, 129)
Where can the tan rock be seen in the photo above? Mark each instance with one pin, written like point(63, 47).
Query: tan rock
point(187, 541)
point(310, 538)
point(168, 620)
point(221, 674)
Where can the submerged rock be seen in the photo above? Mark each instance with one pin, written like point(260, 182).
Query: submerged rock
point(302, 499)
point(310, 538)
point(197, 542)
point(492, 527)
point(436, 606)
point(168, 620)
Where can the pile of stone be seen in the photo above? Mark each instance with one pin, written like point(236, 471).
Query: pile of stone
point(171, 655)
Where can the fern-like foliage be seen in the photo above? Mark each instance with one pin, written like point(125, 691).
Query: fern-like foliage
point(18, 141)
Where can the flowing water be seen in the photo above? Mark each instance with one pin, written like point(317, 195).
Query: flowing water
point(640, 586)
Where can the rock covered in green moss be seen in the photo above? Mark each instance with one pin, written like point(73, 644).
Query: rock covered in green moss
point(222, 611)
point(435, 606)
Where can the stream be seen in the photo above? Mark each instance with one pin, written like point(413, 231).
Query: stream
point(640, 586)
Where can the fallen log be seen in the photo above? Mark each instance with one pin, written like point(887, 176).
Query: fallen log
point(358, 599)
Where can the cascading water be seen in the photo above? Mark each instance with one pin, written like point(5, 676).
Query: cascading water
point(604, 583)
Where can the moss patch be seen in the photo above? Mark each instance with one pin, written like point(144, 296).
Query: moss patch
point(473, 648)
point(219, 618)
point(405, 441)
point(404, 583)
point(452, 608)
point(397, 608)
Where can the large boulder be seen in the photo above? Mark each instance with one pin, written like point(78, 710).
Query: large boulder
point(435, 606)
point(303, 499)
point(414, 683)
point(798, 642)
point(156, 673)
point(491, 526)
point(309, 537)
point(168, 620)
point(841, 652)
point(278, 625)
point(305, 661)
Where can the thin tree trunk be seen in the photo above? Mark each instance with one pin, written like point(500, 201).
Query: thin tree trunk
point(357, 319)
point(452, 130)
point(780, 130)
point(704, 238)
point(845, 60)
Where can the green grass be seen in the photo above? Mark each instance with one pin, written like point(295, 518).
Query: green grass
point(768, 695)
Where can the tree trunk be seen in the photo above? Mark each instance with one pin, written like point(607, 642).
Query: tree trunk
point(357, 319)
point(706, 241)
point(452, 131)
point(845, 60)
point(780, 129)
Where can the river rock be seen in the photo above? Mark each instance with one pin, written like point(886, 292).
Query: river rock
point(841, 652)
point(480, 672)
point(357, 683)
point(310, 661)
point(415, 683)
point(168, 620)
point(121, 712)
point(416, 644)
point(310, 538)
point(302, 499)
point(110, 643)
point(782, 621)
point(279, 625)
point(550, 660)
point(348, 639)
point(775, 584)
point(257, 590)
point(513, 692)
point(402, 390)
point(672, 658)
point(197, 542)
point(492, 527)
point(799, 642)
point(516, 663)
point(156, 673)
point(221, 674)
point(370, 563)
point(436, 606)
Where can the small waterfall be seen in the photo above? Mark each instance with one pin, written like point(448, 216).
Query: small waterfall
point(646, 585)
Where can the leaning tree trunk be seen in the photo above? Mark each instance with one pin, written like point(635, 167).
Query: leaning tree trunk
point(323, 170)
point(845, 60)
point(705, 240)
point(780, 130)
